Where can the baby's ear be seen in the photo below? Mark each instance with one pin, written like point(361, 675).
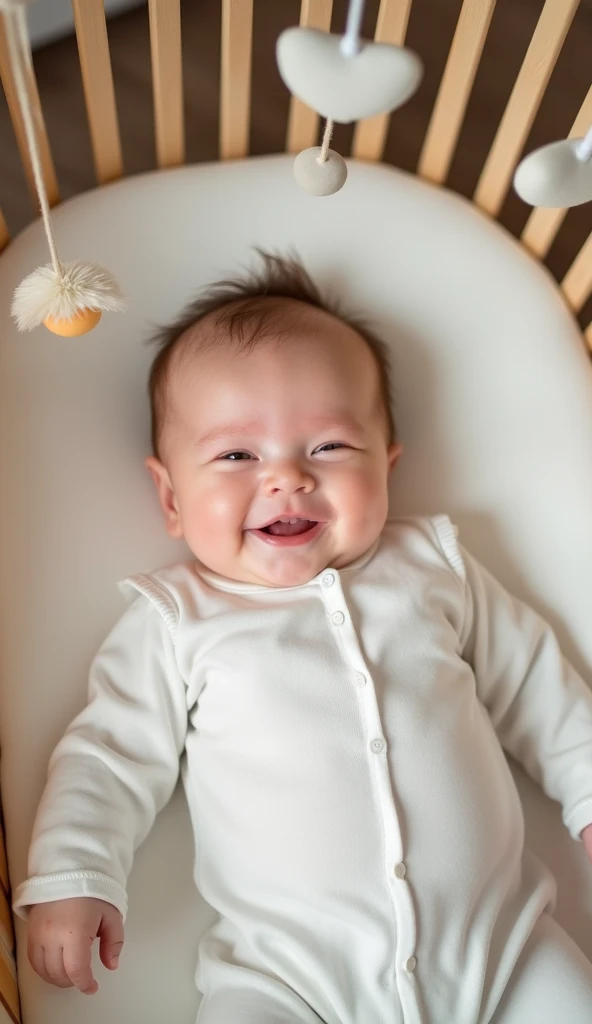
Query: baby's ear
point(166, 496)
point(394, 454)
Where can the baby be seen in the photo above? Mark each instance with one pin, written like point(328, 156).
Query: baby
point(341, 686)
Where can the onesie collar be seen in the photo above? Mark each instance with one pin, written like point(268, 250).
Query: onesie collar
point(218, 582)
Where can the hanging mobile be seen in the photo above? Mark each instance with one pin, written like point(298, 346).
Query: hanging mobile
point(69, 298)
point(558, 175)
point(344, 78)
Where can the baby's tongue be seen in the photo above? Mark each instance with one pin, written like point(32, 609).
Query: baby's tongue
point(289, 529)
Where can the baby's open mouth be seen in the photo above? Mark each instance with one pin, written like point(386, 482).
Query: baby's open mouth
point(291, 528)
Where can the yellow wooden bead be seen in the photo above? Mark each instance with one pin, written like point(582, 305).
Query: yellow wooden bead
point(82, 323)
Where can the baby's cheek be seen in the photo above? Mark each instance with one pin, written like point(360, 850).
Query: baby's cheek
point(222, 509)
point(364, 498)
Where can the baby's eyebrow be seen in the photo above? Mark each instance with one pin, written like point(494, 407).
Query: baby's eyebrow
point(242, 430)
point(231, 430)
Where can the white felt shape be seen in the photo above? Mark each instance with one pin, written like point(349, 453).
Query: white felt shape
point(377, 79)
point(554, 176)
point(320, 177)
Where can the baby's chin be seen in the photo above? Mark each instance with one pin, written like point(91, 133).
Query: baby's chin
point(284, 573)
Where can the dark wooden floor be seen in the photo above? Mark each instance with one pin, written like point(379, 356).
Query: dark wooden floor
point(431, 28)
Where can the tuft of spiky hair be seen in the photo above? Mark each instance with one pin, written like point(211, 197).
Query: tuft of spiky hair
point(80, 286)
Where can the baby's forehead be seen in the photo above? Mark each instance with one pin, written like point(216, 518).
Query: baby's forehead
point(280, 352)
point(269, 325)
point(244, 324)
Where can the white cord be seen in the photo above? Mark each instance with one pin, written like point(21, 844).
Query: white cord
point(322, 157)
point(350, 43)
point(584, 147)
point(20, 53)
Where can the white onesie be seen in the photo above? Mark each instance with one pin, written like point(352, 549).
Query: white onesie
point(356, 822)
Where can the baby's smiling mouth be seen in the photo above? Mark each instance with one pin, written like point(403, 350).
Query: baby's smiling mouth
point(289, 527)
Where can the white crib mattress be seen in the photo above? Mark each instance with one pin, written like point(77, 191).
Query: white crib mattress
point(494, 401)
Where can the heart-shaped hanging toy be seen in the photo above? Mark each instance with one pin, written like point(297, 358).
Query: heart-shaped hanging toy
point(378, 78)
point(558, 175)
point(343, 78)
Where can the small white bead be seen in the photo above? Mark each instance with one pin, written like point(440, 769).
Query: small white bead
point(320, 179)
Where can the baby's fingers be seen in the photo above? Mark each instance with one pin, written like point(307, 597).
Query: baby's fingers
point(37, 960)
point(111, 937)
point(54, 967)
point(77, 965)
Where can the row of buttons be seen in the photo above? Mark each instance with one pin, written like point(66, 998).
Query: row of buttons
point(377, 745)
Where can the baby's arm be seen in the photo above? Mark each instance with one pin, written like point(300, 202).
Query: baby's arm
point(111, 773)
point(539, 706)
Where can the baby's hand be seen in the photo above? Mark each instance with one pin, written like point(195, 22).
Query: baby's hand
point(586, 835)
point(61, 935)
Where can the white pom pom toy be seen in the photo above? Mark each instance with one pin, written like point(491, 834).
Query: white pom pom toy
point(69, 298)
point(69, 303)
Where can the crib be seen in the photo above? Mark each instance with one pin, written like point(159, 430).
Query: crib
point(503, 344)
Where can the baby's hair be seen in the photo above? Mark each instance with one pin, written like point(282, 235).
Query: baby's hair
point(246, 319)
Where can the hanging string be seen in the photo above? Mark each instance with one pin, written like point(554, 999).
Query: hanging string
point(18, 44)
point(322, 157)
point(350, 43)
point(584, 147)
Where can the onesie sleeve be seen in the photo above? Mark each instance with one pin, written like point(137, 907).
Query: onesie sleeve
point(114, 769)
point(540, 707)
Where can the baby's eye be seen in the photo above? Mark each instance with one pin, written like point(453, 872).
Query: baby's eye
point(329, 447)
point(236, 456)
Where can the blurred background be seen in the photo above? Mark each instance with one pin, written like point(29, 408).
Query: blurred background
point(431, 28)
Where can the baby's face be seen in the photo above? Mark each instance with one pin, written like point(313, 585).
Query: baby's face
point(275, 462)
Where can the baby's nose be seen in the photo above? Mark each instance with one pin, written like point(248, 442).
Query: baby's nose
point(289, 478)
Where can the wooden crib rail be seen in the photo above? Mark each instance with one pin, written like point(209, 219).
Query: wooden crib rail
point(391, 27)
point(48, 170)
point(4, 233)
point(543, 224)
point(167, 81)
point(235, 87)
point(455, 89)
point(369, 136)
point(303, 123)
point(577, 283)
point(99, 94)
point(541, 57)
point(9, 995)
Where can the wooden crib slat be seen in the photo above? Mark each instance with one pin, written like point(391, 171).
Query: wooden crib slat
point(588, 336)
point(455, 89)
point(543, 224)
point(235, 94)
point(99, 94)
point(167, 81)
point(524, 102)
point(49, 175)
point(9, 996)
point(391, 27)
point(577, 283)
point(4, 233)
point(303, 122)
